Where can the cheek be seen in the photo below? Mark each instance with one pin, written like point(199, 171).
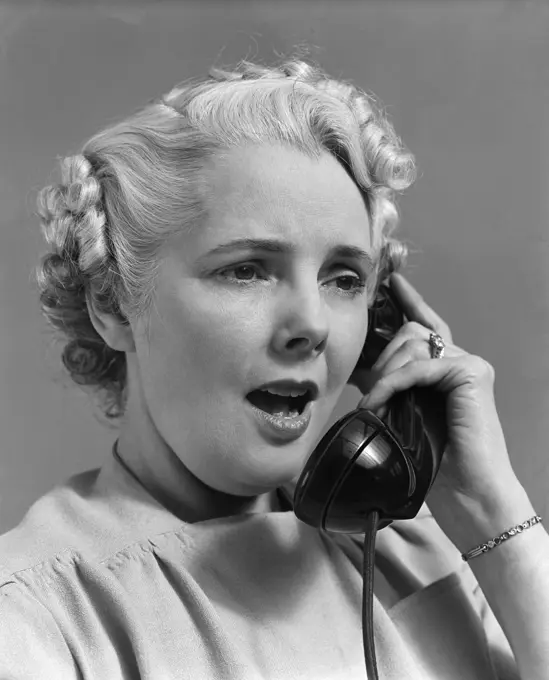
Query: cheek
point(225, 339)
point(191, 347)
point(346, 342)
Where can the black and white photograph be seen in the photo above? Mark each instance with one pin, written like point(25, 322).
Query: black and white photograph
point(274, 340)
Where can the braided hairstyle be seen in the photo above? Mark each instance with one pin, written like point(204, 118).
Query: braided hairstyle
point(141, 180)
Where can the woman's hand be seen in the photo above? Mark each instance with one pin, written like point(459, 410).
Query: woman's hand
point(475, 476)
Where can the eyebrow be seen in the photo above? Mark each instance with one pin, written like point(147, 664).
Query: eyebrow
point(275, 246)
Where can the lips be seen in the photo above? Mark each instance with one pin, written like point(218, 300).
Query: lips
point(286, 386)
point(278, 428)
point(275, 403)
point(276, 396)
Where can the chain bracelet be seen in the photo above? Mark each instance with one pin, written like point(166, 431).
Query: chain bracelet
point(518, 529)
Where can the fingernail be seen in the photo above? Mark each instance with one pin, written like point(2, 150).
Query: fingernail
point(363, 403)
point(381, 412)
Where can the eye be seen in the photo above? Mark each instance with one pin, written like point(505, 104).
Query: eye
point(248, 270)
point(353, 281)
point(352, 284)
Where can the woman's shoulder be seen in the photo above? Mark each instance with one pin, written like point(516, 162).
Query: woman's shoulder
point(53, 524)
point(31, 643)
point(94, 513)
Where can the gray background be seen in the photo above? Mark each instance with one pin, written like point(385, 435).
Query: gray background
point(466, 84)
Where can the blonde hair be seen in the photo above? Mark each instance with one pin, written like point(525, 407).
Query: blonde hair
point(141, 180)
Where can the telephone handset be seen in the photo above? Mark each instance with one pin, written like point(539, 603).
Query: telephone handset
point(364, 463)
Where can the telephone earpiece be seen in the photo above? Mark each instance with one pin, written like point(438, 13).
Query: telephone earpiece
point(364, 463)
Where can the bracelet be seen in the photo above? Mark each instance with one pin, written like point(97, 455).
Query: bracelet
point(518, 529)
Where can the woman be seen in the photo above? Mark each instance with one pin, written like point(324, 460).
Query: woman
point(223, 239)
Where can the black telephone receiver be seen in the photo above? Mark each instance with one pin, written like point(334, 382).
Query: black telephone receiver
point(364, 463)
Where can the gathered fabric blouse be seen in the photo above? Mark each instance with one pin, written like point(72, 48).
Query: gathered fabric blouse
point(99, 581)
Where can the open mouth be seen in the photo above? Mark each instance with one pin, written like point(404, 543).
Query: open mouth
point(276, 404)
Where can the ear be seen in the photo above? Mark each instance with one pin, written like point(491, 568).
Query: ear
point(115, 330)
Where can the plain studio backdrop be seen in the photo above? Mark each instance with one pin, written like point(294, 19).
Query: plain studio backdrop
point(466, 85)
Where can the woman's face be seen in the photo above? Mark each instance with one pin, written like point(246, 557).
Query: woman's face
point(228, 320)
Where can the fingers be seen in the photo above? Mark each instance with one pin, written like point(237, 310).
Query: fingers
point(399, 351)
point(402, 364)
point(411, 342)
point(464, 371)
point(416, 309)
point(419, 373)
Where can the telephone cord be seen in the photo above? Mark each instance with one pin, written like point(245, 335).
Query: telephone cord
point(370, 531)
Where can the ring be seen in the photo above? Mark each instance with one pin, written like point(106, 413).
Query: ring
point(437, 346)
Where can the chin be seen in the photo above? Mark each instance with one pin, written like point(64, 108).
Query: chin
point(262, 482)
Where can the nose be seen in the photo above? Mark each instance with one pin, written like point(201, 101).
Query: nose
point(304, 327)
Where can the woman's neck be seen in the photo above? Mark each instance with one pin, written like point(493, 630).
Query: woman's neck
point(143, 453)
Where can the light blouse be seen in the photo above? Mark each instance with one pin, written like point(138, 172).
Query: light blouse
point(99, 581)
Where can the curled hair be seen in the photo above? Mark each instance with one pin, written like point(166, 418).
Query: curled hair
point(141, 180)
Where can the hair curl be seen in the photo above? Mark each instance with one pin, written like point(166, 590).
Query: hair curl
point(140, 180)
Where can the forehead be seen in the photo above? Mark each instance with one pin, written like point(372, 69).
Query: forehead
point(273, 190)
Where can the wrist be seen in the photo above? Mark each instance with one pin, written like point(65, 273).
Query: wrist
point(477, 522)
point(495, 542)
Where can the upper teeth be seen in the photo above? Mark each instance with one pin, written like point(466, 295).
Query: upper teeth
point(286, 391)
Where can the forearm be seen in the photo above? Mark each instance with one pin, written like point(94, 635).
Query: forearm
point(514, 578)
